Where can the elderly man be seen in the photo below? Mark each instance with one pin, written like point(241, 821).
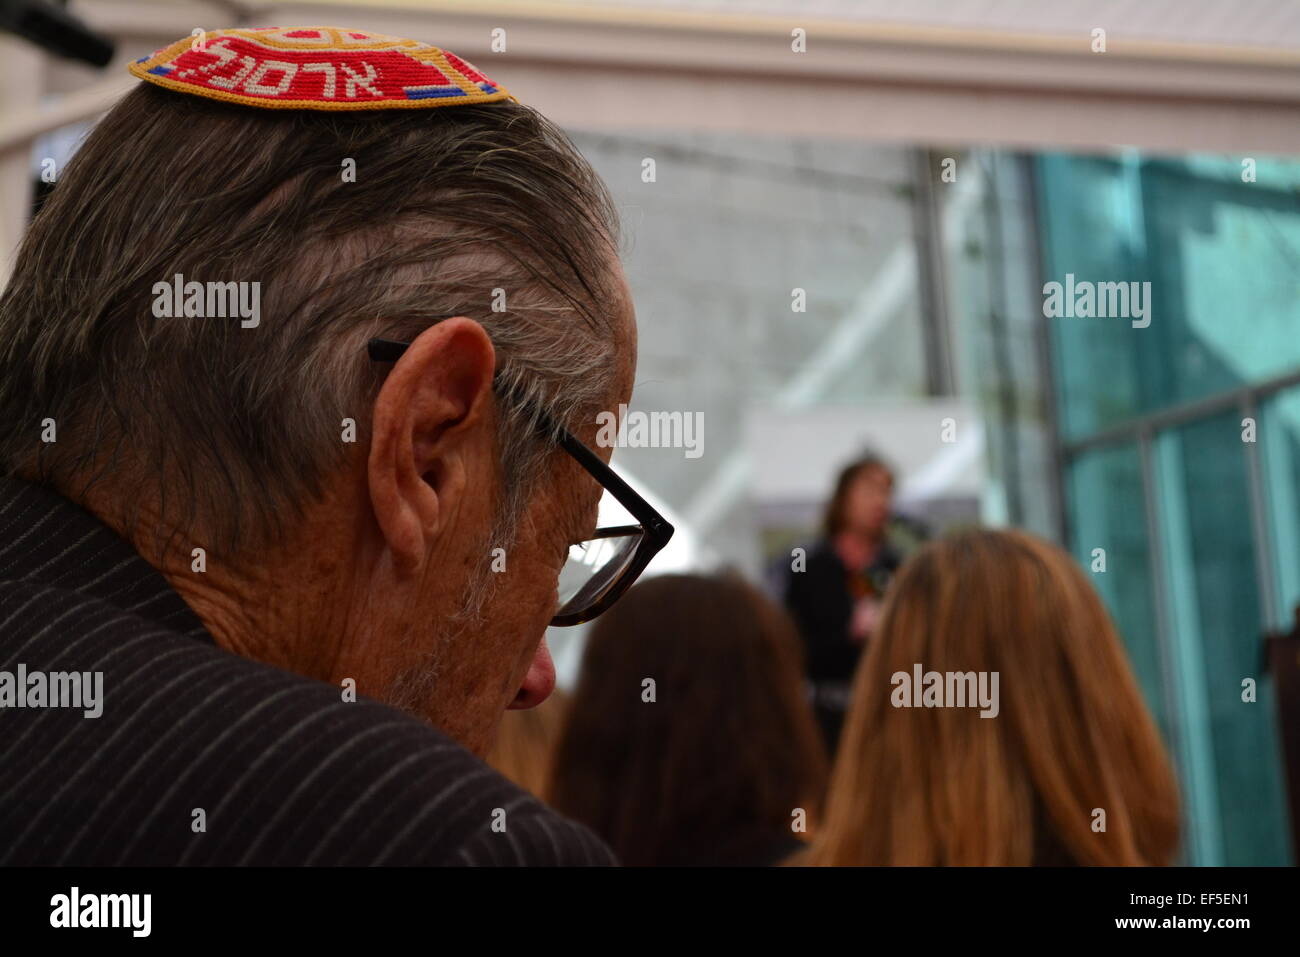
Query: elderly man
point(300, 363)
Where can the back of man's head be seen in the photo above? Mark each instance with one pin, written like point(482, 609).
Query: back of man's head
point(334, 227)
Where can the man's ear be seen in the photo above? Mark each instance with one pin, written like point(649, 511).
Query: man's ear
point(432, 406)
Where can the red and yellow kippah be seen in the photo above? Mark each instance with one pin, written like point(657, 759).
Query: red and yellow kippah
point(316, 68)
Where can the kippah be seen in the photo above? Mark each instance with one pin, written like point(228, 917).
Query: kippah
point(316, 68)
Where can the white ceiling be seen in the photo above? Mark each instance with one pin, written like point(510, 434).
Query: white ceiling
point(1265, 23)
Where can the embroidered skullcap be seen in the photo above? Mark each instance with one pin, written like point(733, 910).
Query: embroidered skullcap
point(317, 68)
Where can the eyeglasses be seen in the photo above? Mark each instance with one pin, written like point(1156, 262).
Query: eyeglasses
point(601, 568)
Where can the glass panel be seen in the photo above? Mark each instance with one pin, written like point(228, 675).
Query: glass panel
point(1222, 257)
point(1107, 511)
point(1279, 447)
point(1225, 257)
point(1228, 748)
point(1091, 231)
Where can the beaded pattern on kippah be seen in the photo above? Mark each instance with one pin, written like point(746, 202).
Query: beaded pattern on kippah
point(317, 68)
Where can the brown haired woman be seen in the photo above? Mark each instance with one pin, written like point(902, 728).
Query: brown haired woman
point(836, 599)
point(1070, 770)
point(689, 740)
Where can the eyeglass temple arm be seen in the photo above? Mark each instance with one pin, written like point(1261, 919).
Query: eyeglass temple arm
point(390, 350)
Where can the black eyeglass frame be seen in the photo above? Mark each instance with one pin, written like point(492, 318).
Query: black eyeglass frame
point(654, 529)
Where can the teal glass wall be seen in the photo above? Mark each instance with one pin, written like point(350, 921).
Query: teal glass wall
point(1280, 455)
point(1108, 512)
point(1229, 748)
point(1162, 471)
point(1223, 260)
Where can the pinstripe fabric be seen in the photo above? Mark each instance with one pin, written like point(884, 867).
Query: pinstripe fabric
point(285, 772)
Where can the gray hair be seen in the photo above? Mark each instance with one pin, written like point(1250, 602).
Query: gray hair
point(232, 429)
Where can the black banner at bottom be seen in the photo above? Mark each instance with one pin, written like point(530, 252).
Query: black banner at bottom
point(333, 906)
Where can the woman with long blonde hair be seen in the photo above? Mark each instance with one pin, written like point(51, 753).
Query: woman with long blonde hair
point(1056, 761)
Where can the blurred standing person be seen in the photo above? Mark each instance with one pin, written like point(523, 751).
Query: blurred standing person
point(688, 739)
point(524, 749)
point(836, 599)
point(1061, 764)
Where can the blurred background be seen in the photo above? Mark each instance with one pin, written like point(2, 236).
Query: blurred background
point(844, 247)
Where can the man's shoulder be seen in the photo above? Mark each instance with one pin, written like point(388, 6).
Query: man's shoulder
point(198, 756)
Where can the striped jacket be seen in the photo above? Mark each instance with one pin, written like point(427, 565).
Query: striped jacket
point(201, 757)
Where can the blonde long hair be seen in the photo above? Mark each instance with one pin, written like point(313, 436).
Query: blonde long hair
point(524, 749)
point(926, 785)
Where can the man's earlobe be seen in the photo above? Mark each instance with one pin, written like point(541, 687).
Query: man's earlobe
point(434, 399)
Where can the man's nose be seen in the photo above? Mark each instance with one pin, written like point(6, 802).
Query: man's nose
point(539, 682)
